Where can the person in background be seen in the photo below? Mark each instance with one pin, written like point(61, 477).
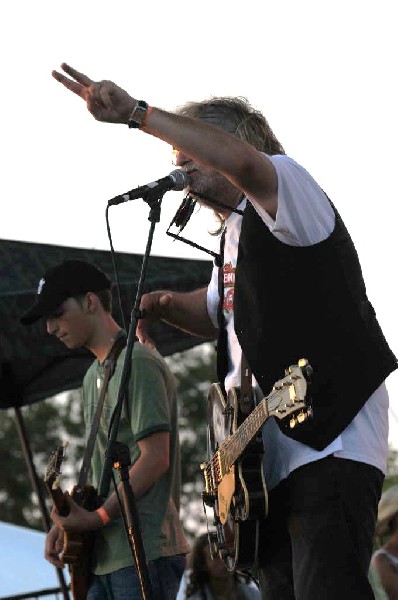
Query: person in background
point(208, 579)
point(287, 285)
point(74, 298)
point(385, 560)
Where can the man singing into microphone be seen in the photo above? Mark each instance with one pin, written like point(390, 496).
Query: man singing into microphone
point(296, 291)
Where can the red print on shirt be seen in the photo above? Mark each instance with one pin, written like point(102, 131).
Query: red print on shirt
point(229, 287)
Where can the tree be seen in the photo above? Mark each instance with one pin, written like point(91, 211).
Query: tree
point(50, 422)
point(194, 370)
point(47, 424)
point(392, 469)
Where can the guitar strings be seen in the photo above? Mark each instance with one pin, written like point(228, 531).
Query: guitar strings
point(239, 437)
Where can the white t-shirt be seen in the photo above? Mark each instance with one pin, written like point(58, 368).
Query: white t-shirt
point(304, 217)
point(249, 591)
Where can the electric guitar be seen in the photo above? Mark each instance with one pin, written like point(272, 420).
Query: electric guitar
point(77, 547)
point(233, 477)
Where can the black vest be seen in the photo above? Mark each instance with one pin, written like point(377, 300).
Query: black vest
point(309, 302)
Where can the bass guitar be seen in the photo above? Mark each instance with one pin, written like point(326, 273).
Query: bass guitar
point(77, 547)
point(234, 485)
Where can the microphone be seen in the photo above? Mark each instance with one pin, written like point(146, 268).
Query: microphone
point(176, 180)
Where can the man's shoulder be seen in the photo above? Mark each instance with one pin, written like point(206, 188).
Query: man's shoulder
point(90, 371)
point(143, 351)
point(144, 356)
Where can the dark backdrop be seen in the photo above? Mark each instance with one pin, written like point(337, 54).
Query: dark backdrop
point(34, 365)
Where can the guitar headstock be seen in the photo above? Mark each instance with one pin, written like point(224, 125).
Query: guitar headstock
point(53, 470)
point(289, 395)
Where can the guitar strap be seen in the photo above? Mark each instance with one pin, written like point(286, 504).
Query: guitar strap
point(246, 399)
point(109, 364)
point(222, 348)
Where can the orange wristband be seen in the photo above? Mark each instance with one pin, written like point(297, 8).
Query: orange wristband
point(144, 120)
point(103, 515)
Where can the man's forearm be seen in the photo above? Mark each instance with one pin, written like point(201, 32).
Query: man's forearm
point(146, 471)
point(188, 311)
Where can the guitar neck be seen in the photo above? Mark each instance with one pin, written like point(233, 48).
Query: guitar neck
point(234, 445)
point(58, 499)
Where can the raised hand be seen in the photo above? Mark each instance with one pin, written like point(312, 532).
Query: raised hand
point(105, 100)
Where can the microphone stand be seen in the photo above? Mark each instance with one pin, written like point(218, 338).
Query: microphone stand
point(117, 455)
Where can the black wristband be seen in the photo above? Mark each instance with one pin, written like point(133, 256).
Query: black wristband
point(138, 114)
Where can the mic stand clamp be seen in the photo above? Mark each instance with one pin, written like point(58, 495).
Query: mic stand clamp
point(153, 200)
point(121, 457)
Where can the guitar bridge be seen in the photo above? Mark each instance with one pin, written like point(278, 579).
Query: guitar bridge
point(209, 499)
point(208, 495)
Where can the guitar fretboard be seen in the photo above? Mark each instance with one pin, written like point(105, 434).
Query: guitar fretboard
point(287, 398)
point(235, 444)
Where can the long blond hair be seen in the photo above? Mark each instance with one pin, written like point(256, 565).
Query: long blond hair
point(235, 115)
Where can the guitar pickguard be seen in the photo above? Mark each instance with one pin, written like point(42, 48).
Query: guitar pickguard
point(225, 493)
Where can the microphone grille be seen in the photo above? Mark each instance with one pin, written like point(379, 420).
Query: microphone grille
point(180, 178)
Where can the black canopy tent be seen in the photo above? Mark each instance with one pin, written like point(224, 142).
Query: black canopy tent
point(35, 366)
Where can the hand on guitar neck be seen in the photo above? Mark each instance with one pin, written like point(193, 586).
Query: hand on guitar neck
point(70, 540)
point(76, 518)
point(54, 547)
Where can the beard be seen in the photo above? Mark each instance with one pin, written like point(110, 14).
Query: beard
point(208, 185)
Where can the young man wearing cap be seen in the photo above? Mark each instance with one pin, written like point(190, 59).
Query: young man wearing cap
point(74, 298)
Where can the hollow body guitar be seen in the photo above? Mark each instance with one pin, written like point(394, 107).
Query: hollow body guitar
point(233, 477)
point(77, 547)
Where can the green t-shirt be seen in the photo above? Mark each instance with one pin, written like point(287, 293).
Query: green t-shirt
point(152, 407)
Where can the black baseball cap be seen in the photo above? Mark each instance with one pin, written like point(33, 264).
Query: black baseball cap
point(68, 279)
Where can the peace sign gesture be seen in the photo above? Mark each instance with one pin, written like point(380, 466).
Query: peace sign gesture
point(105, 100)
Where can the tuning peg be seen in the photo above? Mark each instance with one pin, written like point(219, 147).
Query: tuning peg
point(306, 368)
point(301, 417)
point(292, 423)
